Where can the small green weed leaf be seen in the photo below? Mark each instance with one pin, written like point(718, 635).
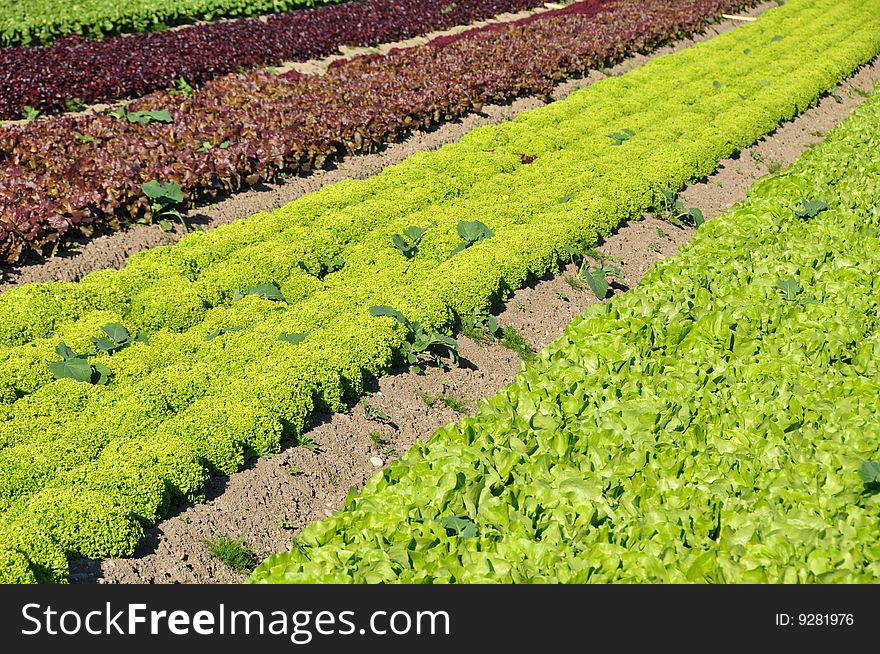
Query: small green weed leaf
point(165, 225)
point(810, 208)
point(777, 38)
point(104, 345)
point(75, 368)
point(335, 264)
point(869, 472)
point(408, 244)
point(716, 84)
point(597, 283)
point(147, 117)
point(117, 332)
point(563, 199)
point(292, 337)
point(696, 216)
point(65, 352)
point(790, 289)
point(620, 137)
point(471, 231)
point(474, 231)
point(415, 233)
point(222, 330)
point(267, 292)
point(100, 374)
point(384, 310)
point(169, 192)
point(464, 527)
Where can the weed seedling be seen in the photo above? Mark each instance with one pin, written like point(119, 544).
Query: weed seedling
point(286, 525)
point(377, 439)
point(421, 344)
point(774, 167)
point(810, 208)
point(596, 277)
point(619, 138)
point(293, 471)
point(374, 414)
point(574, 283)
point(792, 292)
point(480, 326)
point(429, 399)
point(408, 243)
point(309, 443)
point(869, 473)
point(166, 199)
point(29, 113)
point(654, 246)
point(142, 117)
point(77, 367)
point(264, 291)
point(513, 340)
point(234, 554)
point(182, 87)
point(670, 209)
point(455, 403)
point(471, 231)
point(74, 104)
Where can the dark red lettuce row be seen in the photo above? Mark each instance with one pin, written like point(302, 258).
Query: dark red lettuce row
point(54, 78)
point(64, 176)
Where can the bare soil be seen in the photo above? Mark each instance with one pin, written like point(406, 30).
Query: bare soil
point(112, 250)
point(273, 499)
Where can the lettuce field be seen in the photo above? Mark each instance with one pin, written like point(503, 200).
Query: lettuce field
point(709, 415)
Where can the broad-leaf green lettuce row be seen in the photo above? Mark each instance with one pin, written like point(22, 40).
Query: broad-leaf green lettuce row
point(83, 467)
point(33, 22)
point(704, 427)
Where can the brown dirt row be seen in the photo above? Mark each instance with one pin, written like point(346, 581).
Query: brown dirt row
point(273, 499)
point(113, 250)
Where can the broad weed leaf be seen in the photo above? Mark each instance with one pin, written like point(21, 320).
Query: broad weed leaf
point(76, 369)
point(384, 310)
point(116, 332)
point(65, 352)
point(292, 338)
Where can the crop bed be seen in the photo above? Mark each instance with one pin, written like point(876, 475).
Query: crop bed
point(67, 175)
point(232, 338)
point(78, 70)
point(716, 424)
point(27, 22)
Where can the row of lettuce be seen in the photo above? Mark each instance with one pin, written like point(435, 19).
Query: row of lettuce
point(63, 176)
point(712, 425)
point(29, 22)
point(84, 466)
point(76, 71)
